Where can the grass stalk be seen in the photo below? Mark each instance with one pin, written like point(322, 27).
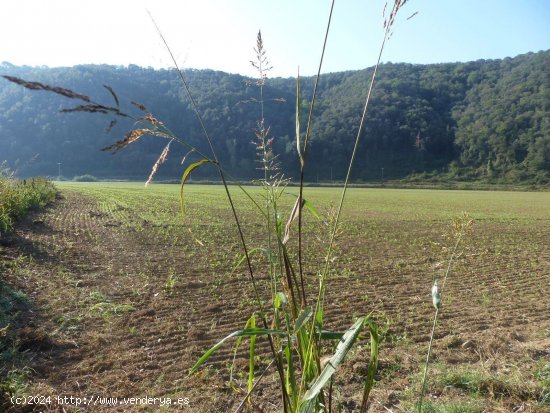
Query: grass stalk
point(461, 225)
point(305, 146)
point(233, 210)
point(325, 271)
point(250, 391)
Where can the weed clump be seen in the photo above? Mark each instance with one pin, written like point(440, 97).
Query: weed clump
point(17, 197)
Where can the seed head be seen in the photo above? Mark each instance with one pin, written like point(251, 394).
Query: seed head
point(436, 296)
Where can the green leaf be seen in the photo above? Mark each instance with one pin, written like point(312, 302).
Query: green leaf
point(302, 319)
point(311, 209)
point(187, 173)
point(252, 251)
point(279, 224)
point(308, 406)
point(319, 317)
point(237, 345)
point(239, 333)
point(280, 300)
point(309, 206)
point(331, 335)
point(290, 374)
point(373, 364)
point(341, 351)
point(251, 356)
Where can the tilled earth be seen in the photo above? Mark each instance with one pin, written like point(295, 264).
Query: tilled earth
point(116, 307)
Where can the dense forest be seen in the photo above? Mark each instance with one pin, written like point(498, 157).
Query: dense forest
point(484, 120)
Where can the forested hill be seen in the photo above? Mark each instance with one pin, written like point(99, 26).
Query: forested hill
point(488, 119)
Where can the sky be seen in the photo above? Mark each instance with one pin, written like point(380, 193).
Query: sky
point(221, 34)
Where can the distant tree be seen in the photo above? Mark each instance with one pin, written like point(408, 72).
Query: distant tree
point(477, 119)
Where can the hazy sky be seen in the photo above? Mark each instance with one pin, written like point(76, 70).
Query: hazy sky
point(220, 34)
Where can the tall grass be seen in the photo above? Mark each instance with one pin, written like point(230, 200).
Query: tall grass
point(296, 332)
point(293, 318)
point(18, 197)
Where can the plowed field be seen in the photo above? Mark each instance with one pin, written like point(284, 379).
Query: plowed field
point(124, 294)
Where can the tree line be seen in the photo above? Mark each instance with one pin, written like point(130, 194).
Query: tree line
point(483, 120)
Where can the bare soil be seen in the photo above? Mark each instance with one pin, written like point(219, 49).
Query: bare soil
point(102, 319)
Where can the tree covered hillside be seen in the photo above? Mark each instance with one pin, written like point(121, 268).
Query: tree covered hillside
point(477, 120)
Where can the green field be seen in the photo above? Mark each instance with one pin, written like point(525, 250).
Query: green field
point(403, 203)
point(144, 289)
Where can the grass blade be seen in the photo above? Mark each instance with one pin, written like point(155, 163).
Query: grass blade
point(187, 173)
point(239, 333)
point(311, 209)
point(252, 251)
point(252, 354)
point(298, 108)
point(341, 351)
point(373, 364)
point(331, 335)
point(304, 316)
point(309, 206)
point(237, 346)
point(290, 376)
